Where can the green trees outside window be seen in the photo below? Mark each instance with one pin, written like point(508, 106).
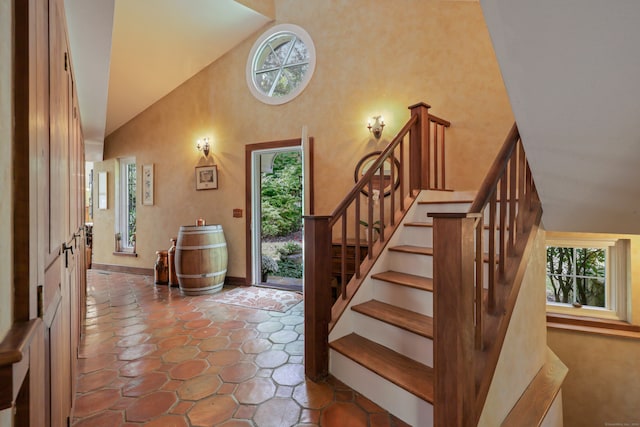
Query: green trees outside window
point(576, 275)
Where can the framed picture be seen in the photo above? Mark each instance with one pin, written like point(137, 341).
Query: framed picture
point(207, 177)
point(102, 190)
point(147, 184)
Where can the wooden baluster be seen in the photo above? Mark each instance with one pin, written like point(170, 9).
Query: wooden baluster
point(502, 224)
point(343, 254)
point(513, 186)
point(392, 193)
point(357, 237)
point(402, 175)
point(317, 301)
point(479, 280)
point(522, 198)
point(491, 296)
point(370, 220)
point(436, 167)
point(381, 204)
point(443, 160)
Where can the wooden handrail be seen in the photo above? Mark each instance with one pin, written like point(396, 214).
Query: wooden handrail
point(496, 170)
point(14, 350)
point(472, 316)
point(366, 179)
point(412, 166)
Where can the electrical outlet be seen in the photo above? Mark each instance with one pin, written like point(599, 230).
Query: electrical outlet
point(237, 213)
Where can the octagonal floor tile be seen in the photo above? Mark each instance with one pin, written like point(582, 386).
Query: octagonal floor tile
point(142, 385)
point(271, 359)
point(289, 375)
point(343, 414)
point(283, 337)
point(313, 395)
point(180, 354)
point(212, 411)
point(255, 391)
point(277, 413)
point(150, 406)
point(188, 369)
point(238, 372)
point(199, 387)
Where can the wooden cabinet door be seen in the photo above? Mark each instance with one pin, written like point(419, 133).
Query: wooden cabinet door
point(56, 297)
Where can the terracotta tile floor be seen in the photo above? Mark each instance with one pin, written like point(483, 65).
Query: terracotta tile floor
point(152, 357)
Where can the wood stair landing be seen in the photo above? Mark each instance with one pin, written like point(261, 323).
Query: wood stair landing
point(408, 320)
point(404, 279)
point(402, 371)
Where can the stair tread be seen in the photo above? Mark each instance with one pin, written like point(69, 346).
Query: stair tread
point(418, 224)
point(420, 250)
point(443, 202)
point(404, 279)
point(404, 372)
point(402, 318)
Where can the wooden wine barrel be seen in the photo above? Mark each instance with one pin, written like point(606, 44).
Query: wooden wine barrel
point(201, 259)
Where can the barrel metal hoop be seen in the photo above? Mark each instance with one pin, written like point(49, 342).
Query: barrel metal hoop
point(200, 276)
point(194, 248)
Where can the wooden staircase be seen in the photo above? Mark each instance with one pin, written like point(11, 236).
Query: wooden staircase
point(390, 333)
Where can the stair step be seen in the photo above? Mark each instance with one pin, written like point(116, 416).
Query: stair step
point(411, 249)
point(443, 202)
point(396, 316)
point(404, 372)
point(404, 279)
point(418, 224)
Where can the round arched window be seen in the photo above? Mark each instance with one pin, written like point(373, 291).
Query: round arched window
point(280, 64)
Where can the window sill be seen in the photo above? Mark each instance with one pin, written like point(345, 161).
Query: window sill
point(131, 254)
point(593, 325)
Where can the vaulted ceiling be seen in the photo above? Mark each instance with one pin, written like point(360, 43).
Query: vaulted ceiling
point(572, 72)
point(129, 54)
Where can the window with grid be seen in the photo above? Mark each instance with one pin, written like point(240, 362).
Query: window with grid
point(587, 277)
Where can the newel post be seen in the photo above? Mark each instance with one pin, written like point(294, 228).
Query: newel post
point(453, 273)
point(317, 295)
point(419, 148)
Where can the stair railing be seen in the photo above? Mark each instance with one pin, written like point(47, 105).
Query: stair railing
point(470, 316)
point(413, 160)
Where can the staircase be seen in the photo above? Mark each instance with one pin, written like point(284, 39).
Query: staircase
point(382, 345)
point(420, 327)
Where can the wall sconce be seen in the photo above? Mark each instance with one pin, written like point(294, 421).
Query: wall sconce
point(376, 127)
point(203, 145)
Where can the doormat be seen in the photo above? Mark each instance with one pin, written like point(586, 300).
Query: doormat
point(258, 298)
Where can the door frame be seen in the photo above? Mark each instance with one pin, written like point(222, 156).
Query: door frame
point(309, 193)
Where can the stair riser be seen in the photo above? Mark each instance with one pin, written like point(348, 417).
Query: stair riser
point(404, 342)
point(420, 265)
point(417, 236)
point(404, 405)
point(412, 299)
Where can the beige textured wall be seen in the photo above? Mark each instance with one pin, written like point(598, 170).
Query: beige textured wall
point(373, 57)
point(603, 383)
point(524, 349)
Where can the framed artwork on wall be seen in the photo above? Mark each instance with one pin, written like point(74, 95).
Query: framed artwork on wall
point(207, 177)
point(102, 190)
point(147, 184)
